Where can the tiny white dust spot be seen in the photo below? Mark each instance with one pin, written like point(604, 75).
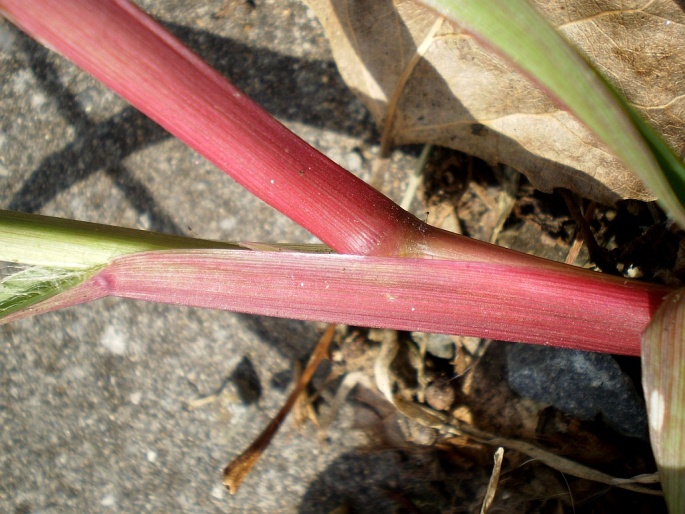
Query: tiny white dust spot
point(218, 492)
point(273, 181)
point(151, 456)
point(108, 500)
point(114, 341)
point(227, 223)
point(38, 100)
point(657, 410)
point(135, 398)
point(301, 284)
point(413, 309)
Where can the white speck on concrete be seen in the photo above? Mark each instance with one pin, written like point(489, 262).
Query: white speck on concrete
point(144, 221)
point(108, 500)
point(135, 398)
point(38, 100)
point(22, 81)
point(218, 492)
point(227, 223)
point(4, 172)
point(114, 341)
point(151, 456)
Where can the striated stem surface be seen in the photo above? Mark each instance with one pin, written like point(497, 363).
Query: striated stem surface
point(135, 56)
point(513, 303)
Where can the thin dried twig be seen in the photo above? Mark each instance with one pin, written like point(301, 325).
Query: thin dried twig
point(440, 421)
point(509, 178)
point(434, 419)
point(239, 467)
point(578, 240)
point(382, 366)
point(350, 381)
point(416, 178)
point(494, 480)
point(398, 91)
point(597, 253)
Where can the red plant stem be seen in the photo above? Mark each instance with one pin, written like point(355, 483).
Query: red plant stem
point(136, 57)
point(478, 299)
point(588, 311)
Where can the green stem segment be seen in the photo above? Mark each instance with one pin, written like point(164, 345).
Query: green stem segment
point(36, 240)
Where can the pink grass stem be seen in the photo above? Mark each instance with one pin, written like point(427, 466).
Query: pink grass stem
point(575, 310)
point(136, 57)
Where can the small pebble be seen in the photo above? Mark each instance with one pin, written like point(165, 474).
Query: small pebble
point(440, 396)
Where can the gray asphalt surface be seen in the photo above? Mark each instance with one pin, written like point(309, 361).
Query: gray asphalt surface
point(94, 400)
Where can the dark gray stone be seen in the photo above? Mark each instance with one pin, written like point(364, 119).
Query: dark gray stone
point(582, 384)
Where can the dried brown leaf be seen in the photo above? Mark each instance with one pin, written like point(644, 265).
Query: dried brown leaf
point(428, 81)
